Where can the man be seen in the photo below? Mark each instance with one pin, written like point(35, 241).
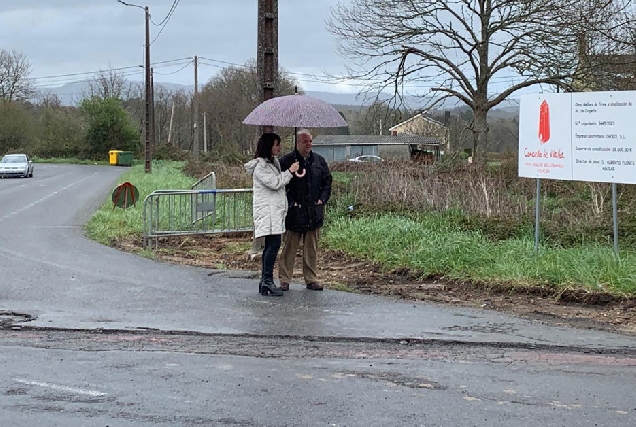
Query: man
point(307, 194)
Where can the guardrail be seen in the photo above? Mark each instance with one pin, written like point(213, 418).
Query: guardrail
point(208, 182)
point(190, 212)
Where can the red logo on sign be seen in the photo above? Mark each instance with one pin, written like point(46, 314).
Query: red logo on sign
point(544, 122)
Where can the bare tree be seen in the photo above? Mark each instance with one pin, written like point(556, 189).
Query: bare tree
point(377, 119)
point(229, 97)
point(48, 99)
point(607, 49)
point(109, 84)
point(477, 51)
point(14, 73)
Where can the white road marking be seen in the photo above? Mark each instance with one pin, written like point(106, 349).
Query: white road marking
point(30, 205)
point(61, 388)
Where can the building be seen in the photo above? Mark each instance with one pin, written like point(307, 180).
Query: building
point(335, 148)
point(422, 125)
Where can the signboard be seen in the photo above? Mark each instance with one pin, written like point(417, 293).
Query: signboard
point(604, 137)
point(545, 139)
point(583, 136)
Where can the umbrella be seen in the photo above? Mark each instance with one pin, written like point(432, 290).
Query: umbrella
point(295, 111)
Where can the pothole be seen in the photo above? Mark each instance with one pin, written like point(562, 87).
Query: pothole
point(397, 379)
point(12, 319)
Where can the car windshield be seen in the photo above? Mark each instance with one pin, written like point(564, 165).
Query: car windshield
point(13, 159)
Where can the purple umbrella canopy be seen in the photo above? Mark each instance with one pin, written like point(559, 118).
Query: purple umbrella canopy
point(295, 111)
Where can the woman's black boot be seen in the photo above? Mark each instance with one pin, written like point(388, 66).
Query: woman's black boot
point(269, 287)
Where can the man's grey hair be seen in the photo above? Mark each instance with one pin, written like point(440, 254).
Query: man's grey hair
point(303, 132)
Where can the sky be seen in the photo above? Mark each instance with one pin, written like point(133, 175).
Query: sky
point(62, 37)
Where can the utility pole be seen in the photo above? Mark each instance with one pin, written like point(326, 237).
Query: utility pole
point(148, 88)
point(153, 129)
point(148, 162)
point(195, 145)
point(171, 120)
point(266, 67)
point(205, 132)
point(267, 55)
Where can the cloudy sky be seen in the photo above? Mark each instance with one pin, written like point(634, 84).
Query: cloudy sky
point(65, 37)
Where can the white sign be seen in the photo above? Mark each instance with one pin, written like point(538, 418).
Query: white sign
point(604, 137)
point(583, 136)
point(545, 137)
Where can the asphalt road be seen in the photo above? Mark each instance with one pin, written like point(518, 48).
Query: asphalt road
point(90, 336)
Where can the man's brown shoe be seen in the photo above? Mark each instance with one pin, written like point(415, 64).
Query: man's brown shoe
point(284, 286)
point(314, 286)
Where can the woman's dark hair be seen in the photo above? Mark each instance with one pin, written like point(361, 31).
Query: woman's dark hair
point(265, 144)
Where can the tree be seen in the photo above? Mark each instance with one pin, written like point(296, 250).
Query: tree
point(14, 73)
point(17, 127)
point(109, 84)
point(477, 51)
point(377, 119)
point(60, 133)
point(229, 97)
point(109, 127)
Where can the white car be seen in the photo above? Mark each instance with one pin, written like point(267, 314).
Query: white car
point(366, 159)
point(16, 165)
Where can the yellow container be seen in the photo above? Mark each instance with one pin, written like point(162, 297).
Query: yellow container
point(113, 156)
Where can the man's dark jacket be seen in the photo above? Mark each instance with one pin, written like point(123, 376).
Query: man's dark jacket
point(303, 193)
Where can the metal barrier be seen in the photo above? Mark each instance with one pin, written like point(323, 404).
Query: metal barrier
point(183, 212)
point(208, 182)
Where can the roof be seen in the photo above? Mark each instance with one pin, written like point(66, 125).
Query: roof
point(403, 139)
point(422, 116)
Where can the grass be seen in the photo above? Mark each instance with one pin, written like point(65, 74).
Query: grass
point(431, 245)
point(69, 161)
point(109, 224)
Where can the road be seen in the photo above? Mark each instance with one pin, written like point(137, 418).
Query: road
point(90, 336)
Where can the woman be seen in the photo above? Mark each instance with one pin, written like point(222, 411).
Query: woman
point(269, 204)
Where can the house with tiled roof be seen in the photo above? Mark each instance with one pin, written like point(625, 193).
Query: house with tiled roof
point(336, 148)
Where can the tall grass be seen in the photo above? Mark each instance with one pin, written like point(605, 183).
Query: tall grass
point(431, 246)
point(110, 223)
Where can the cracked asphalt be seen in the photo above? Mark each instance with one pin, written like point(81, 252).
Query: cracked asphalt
point(93, 336)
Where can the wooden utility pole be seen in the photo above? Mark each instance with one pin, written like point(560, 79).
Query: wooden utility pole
point(266, 68)
point(267, 55)
point(205, 132)
point(195, 101)
point(148, 160)
point(153, 129)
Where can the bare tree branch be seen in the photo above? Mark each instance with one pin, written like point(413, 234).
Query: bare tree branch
point(14, 73)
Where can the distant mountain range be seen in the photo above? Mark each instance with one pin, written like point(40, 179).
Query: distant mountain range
point(72, 94)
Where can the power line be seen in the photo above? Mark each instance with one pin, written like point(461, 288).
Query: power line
point(167, 63)
point(175, 72)
point(81, 74)
point(83, 77)
point(166, 20)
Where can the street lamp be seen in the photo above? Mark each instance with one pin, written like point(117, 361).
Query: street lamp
point(148, 154)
